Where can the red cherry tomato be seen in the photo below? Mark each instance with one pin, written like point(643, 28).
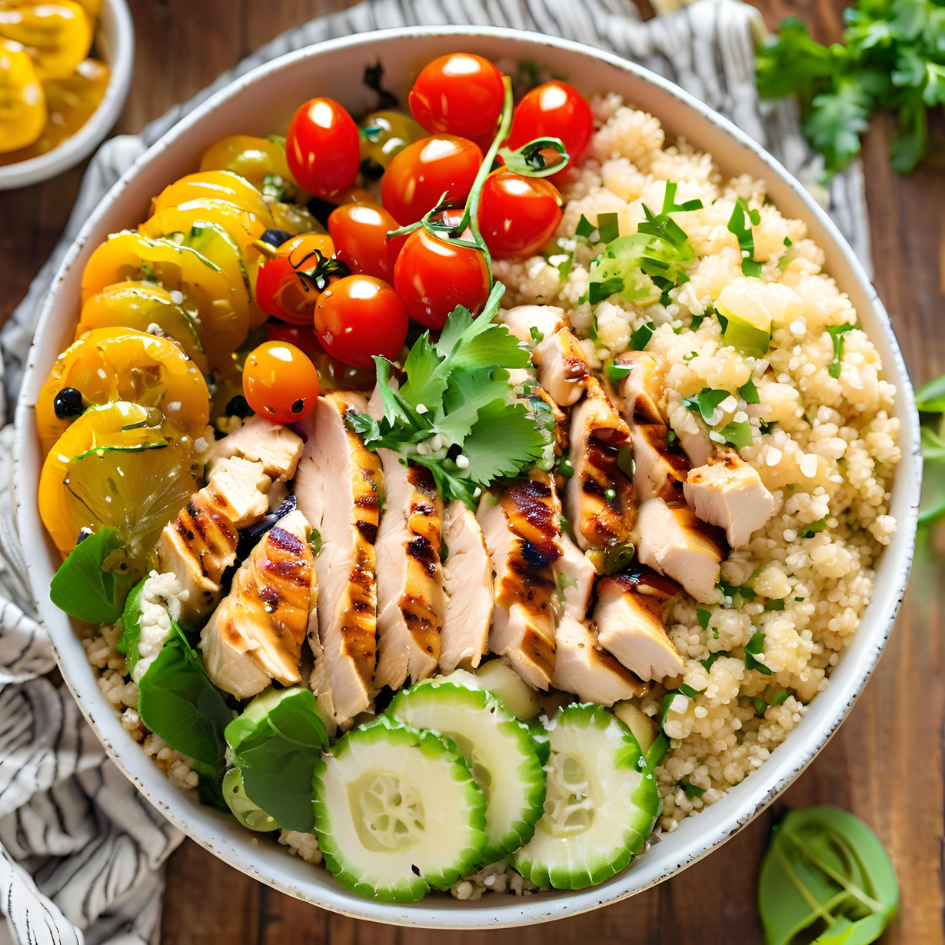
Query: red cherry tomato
point(280, 382)
point(287, 284)
point(433, 277)
point(459, 94)
point(359, 317)
point(360, 233)
point(553, 110)
point(518, 215)
point(420, 174)
point(323, 148)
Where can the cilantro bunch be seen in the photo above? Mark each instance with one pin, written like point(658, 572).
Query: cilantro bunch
point(892, 56)
point(456, 411)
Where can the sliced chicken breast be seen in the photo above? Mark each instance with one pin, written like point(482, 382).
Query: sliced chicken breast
point(522, 531)
point(642, 388)
point(598, 502)
point(629, 616)
point(729, 493)
point(256, 633)
point(410, 600)
point(467, 581)
point(584, 668)
point(562, 367)
point(676, 543)
point(261, 441)
point(575, 579)
point(657, 469)
point(200, 544)
point(337, 485)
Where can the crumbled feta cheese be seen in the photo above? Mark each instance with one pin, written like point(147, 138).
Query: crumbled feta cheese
point(160, 604)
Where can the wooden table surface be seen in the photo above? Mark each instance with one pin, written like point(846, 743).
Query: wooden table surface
point(885, 764)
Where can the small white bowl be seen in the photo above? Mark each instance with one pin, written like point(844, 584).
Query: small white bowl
point(115, 43)
point(260, 103)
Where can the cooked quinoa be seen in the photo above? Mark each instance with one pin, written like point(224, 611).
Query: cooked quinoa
point(827, 458)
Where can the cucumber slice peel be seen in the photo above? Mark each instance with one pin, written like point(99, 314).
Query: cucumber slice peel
point(397, 812)
point(504, 755)
point(602, 802)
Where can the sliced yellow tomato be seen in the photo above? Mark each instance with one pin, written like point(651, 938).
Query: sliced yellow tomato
point(215, 185)
point(294, 219)
point(254, 159)
point(57, 35)
point(219, 304)
point(22, 99)
point(92, 7)
point(109, 364)
point(117, 466)
point(143, 306)
point(209, 225)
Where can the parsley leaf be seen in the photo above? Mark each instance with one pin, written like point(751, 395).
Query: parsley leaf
point(705, 403)
point(749, 393)
point(737, 433)
point(814, 528)
point(640, 337)
point(836, 333)
point(754, 648)
point(608, 227)
point(737, 593)
point(740, 224)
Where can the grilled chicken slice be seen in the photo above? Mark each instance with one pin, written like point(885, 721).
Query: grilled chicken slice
point(575, 579)
point(693, 436)
point(256, 633)
point(467, 581)
point(583, 667)
point(676, 543)
point(657, 470)
point(261, 441)
point(200, 544)
point(642, 388)
point(522, 532)
point(598, 502)
point(729, 493)
point(562, 367)
point(410, 599)
point(337, 485)
point(629, 616)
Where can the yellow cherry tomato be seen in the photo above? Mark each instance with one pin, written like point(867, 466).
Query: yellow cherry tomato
point(22, 99)
point(119, 466)
point(383, 134)
point(109, 364)
point(57, 35)
point(215, 185)
point(252, 158)
point(143, 306)
point(219, 304)
point(92, 7)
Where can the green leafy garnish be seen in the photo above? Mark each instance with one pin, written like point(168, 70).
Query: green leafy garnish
point(177, 701)
point(813, 528)
point(892, 57)
point(930, 398)
point(456, 391)
point(749, 393)
point(131, 626)
point(641, 267)
point(640, 337)
point(826, 874)
point(275, 744)
point(775, 604)
point(692, 790)
point(780, 696)
point(706, 402)
point(740, 224)
point(709, 660)
point(737, 593)
point(703, 616)
point(737, 433)
point(754, 648)
point(608, 227)
point(617, 372)
point(836, 333)
point(585, 229)
point(84, 587)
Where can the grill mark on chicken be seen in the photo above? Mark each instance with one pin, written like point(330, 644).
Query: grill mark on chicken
point(209, 534)
point(644, 581)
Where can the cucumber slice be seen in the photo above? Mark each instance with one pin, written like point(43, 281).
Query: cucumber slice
point(504, 757)
point(396, 812)
point(602, 802)
point(509, 688)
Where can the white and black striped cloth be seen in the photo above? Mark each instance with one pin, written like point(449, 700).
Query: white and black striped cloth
point(81, 852)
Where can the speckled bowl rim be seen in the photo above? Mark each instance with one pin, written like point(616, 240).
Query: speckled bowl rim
point(221, 836)
point(115, 31)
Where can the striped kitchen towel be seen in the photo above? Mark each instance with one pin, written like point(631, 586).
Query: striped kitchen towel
point(81, 852)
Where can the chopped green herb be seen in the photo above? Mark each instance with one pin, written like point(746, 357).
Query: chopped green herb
point(706, 403)
point(697, 320)
point(740, 224)
point(737, 593)
point(775, 604)
point(671, 437)
point(703, 616)
point(592, 332)
point(688, 691)
point(692, 790)
point(779, 697)
point(788, 241)
point(617, 372)
point(814, 528)
point(709, 660)
point(640, 337)
point(564, 582)
point(754, 648)
point(690, 356)
point(765, 426)
point(565, 267)
point(836, 333)
point(760, 705)
point(749, 393)
point(608, 227)
point(737, 433)
point(585, 229)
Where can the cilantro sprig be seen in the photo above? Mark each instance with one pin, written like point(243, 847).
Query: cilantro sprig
point(456, 411)
point(892, 57)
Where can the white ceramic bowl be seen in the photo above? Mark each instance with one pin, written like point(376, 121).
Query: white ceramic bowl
point(261, 102)
point(115, 42)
